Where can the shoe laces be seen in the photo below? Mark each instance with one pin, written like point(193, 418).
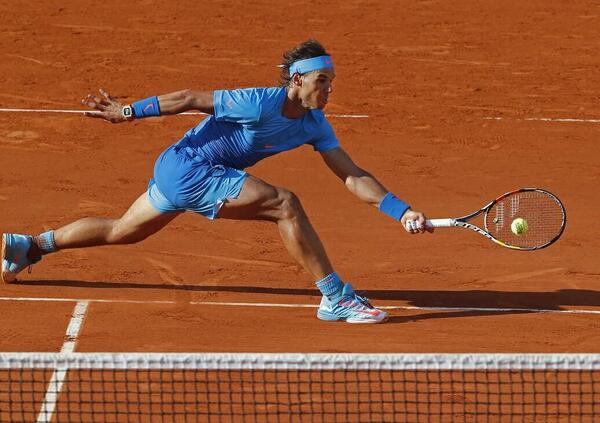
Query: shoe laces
point(360, 298)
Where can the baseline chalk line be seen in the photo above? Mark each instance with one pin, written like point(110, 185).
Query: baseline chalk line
point(543, 119)
point(293, 305)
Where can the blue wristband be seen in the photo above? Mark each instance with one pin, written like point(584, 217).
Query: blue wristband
point(146, 107)
point(393, 206)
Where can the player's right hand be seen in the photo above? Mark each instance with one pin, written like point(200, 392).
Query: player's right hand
point(414, 222)
point(105, 106)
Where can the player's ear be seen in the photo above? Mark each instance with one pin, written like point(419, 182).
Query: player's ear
point(297, 79)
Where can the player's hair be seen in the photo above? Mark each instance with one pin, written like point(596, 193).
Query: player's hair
point(306, 50)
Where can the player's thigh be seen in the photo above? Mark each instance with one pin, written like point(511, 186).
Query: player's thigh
point(257, 200)
point(142, 218)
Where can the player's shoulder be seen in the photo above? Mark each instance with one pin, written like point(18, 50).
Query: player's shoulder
point(318, 115)
point(271, 100)
point(244, 105)
point(270, 95)
point(262, 94)
point(253, 93)
point(318, 118)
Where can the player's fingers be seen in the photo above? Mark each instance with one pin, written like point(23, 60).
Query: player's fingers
point(92, 102)
point(87, 100)
point(106, 96)
point(420, 224)
point(88, 103)
point(100, 103)
point(420, 228)
point(94, 114)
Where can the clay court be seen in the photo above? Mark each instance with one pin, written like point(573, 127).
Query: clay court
point(449, 104)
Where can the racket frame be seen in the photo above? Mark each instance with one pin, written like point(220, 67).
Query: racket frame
point(462, 222)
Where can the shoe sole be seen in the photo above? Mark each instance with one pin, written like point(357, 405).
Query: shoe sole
point(5, 277)
point(2, 262)
point(372, 322)
point(332, 318)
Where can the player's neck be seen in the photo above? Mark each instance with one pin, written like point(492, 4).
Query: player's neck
point(292, 106)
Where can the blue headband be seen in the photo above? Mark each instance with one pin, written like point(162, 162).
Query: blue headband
point(312, 64)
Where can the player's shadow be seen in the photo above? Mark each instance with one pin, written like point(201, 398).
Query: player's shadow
point(418, 316)
point(430, 304)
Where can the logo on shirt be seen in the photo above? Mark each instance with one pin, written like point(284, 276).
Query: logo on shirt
point(230, 104)
point(268, 146)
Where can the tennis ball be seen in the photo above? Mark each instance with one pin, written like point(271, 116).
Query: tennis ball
point(519, 226)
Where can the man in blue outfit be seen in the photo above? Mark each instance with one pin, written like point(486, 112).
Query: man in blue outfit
point(204, 173)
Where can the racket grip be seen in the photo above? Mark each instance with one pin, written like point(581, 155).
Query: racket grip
point(439, 223)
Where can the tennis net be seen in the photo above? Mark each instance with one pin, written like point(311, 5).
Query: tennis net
point(134, 387)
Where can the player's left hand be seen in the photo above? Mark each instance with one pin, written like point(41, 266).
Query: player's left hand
point(414, 222)
point(107, 108)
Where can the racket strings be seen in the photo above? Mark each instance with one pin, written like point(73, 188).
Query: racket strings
point(543, 213)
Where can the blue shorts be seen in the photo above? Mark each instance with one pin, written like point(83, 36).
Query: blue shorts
point(186, 182)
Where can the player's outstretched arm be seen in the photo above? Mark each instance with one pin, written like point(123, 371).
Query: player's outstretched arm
point(107, 108)
point(182, 101)
point(366, 187)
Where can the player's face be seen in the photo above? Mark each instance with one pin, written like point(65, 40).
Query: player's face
point(316, 87)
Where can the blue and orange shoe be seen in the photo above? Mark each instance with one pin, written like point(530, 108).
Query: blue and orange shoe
point(350, 307)
point(15, 249)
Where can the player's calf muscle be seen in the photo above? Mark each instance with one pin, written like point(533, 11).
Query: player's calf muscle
point(94, 231)
point(120, 233)
point(118, 236)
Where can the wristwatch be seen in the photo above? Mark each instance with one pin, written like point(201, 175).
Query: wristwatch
point(128, 112)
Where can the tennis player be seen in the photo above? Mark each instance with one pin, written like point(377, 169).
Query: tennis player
point(204, 173)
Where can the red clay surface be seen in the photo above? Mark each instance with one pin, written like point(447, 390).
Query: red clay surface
point(427, 74)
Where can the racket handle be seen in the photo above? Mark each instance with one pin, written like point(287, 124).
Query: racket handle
point(439, 223)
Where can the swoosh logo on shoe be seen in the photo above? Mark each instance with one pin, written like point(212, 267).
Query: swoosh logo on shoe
point(374, 313)
point(346, 303)
point(359, 308)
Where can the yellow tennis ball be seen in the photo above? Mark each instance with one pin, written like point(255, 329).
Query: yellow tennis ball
point(519, 226)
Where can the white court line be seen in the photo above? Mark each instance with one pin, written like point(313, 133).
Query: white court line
point(80, 112)
point(58, 376)
point(74, 327)
point(291, 305)
point(89, 300)
point(541, 119)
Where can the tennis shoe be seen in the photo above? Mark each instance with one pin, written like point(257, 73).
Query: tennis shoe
point(15, 249)
point(351, 307)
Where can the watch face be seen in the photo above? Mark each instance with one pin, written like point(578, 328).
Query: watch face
point(127, 111)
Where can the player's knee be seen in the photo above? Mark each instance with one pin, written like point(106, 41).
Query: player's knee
point(289, 204)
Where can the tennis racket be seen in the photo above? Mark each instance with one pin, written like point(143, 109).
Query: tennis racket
point(544, 213)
